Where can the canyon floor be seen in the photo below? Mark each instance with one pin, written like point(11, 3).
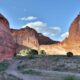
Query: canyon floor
point(44, 68)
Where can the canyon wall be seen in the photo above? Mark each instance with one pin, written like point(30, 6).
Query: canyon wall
point(69, 44)
point(72, 43)
point(7, 44)
point(13, 40)
point(29, 38)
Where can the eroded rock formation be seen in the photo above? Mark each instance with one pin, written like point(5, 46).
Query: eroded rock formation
point(7, 45)
point(25, 38)
point(44, 40)
point(29, 38)
point(13, 40)
point(72, 43)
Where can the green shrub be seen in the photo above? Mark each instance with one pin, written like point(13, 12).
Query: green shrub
point(21, 67)
point(69, 54)
point(30, 53)
point(24, 52)
point(34, 52)
point(70, 78)
point(42, 52)
point(3, 66)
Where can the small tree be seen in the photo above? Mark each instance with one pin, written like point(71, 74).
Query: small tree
point(30, 53)
point(34, 52)
point(24, 52)
point(69, 54)
point(42, 52)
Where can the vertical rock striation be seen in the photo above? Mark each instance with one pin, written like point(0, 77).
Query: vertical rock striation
point(7, 45)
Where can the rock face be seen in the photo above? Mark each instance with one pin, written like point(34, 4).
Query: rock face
point(13, 40)
point(25, 38)
point(44, 40)
point(7, 45)
point(29, 38)
point(72, 43)
point(53, 49)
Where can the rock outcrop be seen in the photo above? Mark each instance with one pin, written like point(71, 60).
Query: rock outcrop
point(72, 43)
point(44, 40)
point(13, 40)
point(29, 38)
point(25, 38)
point(53, 49)
point(7, 45)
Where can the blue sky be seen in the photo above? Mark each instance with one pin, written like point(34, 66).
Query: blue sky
point(50, 17)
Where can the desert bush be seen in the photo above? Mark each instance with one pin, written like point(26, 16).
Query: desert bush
point(69, 54)
point(5, 76)
point(22, 66)
point(24, 52)
point(70, 78)
point(42, 52)
point(3, 66)
point(31, 72)
point(30, 53)
point(33, 51)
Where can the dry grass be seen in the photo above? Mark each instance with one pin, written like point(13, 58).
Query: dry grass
point(5, 76)
point(53, 63)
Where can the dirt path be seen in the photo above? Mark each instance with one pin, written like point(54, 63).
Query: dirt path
point(47, 75)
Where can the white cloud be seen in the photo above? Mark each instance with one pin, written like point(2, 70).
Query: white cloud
point(29, 18)
point(37, 25)
point(65, 35)
point(52, 30)
point(42, 27)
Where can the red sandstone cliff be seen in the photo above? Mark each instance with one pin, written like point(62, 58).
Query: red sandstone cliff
point(7, 45)
point(72, 43)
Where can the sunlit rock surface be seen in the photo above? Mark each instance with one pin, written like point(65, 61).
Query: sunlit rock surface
point(29, 38)
point(13, 40)
point(69, 44)
point(25, 38)
point(72, 43)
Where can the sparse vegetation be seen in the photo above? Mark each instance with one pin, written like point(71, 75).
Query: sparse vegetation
point(3, 66)
point(5, 76)
point(40, 63)
point(42, 52)
point(69, 54)
point(70, 78)
point(30, 53)
point(53, 63)
point(32, 72)
point(21, 67)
